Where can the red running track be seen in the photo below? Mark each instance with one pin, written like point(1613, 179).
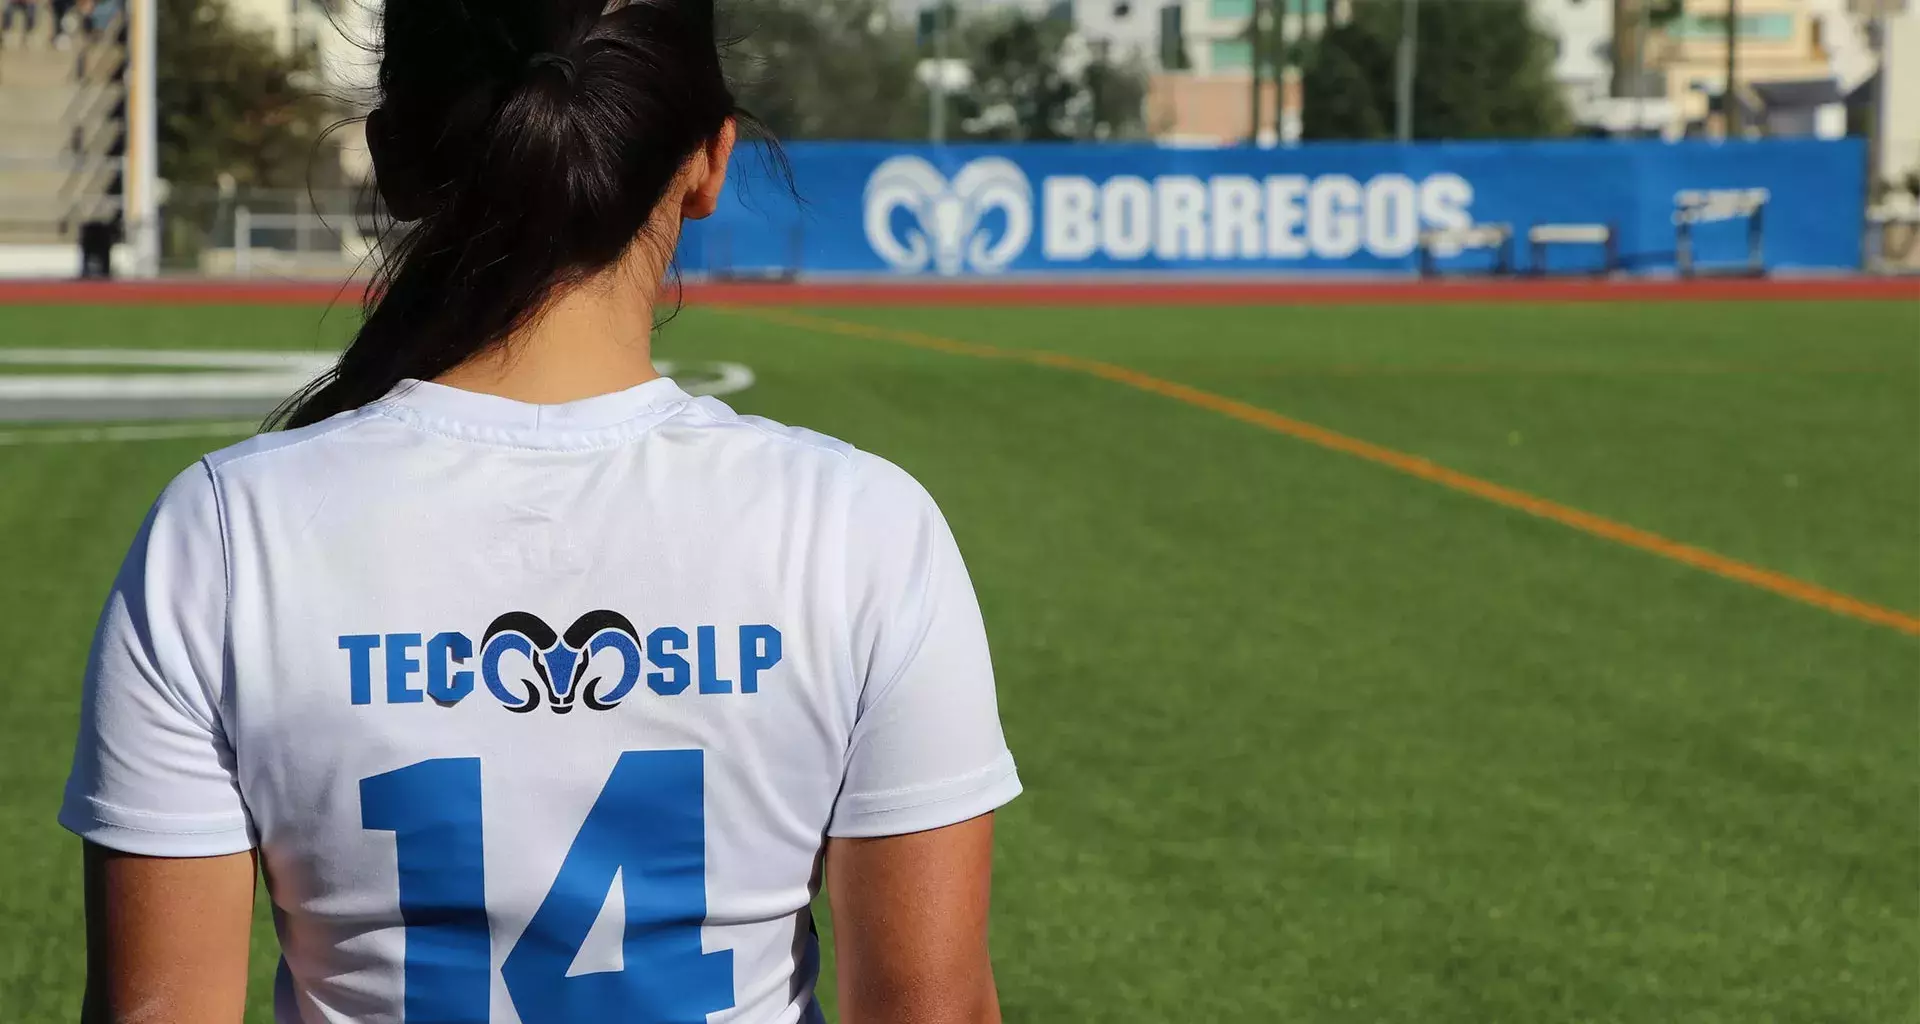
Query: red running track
point(1135, 292)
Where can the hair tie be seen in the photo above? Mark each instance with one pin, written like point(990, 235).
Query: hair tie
point(565, 64)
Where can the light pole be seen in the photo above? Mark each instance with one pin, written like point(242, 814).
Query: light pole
point(1403, 78)
point(1642, 25)
point(937, 121)
point(1731, 101)
point(1280, 70)
point(140, 209)
point(1256, 36)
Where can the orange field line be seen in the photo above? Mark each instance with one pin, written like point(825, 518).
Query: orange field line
point(1412, 465)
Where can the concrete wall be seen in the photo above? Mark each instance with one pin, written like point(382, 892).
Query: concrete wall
point(55, 260)
point(1900, 95)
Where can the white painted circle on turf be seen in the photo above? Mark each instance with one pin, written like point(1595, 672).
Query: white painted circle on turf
point(209, 384)
point(707, 378)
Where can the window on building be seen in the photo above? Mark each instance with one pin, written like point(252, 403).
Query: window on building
point(1228, 9)
point(1293, 8)
point(1173, 38)
point(1777, 27)
point(1697, 26)
point(1231, 55)
point(1122, 10)
point(1770, 27)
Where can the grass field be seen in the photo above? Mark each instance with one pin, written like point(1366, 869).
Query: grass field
point(1306, 738)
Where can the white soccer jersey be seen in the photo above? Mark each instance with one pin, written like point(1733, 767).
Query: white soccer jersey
point(538, 713)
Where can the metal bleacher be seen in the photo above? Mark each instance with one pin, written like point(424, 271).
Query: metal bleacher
point(62, 116)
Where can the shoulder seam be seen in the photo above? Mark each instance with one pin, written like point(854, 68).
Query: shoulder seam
point(222, 524)
point(803, 442)
point(226, 549)
point(217, 700)
point(345, 422)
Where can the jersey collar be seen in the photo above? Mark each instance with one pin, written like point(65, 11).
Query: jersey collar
point(602, 418)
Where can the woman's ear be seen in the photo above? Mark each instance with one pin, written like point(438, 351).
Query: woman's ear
point(703, 195)
point(397, 176)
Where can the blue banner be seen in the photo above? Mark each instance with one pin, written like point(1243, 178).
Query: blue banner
point(876, 209)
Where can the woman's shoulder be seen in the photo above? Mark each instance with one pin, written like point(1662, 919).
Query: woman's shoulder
point(270, 442)
point(872, 477)
point(778, 437)
point(877, 490)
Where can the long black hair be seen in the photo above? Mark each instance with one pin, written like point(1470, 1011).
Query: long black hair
point(531, 141)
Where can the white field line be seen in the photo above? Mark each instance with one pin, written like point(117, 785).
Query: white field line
point(710, 379)
point(250, 375)
point(163, 432)
point(265, 375)
point(90, 387)
point(310, 363)
point(277, 374)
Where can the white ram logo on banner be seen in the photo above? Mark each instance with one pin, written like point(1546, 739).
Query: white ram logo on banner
point(949, 234)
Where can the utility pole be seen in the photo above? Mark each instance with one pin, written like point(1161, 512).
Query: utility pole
point(1403, 83)
point(1280, 70)
point(1643, 24)
point(1256, 39)
point(937, 129)
point(1731, 102)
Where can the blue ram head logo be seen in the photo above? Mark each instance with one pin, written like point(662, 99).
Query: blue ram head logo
point(569, 668)
point(948, 228)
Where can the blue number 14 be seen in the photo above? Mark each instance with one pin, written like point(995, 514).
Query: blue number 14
point(647, 829)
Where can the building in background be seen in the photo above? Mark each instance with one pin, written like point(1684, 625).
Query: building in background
point(1891, 103)
point(294, 24)
point(1896, 91)
point(1798, 61)
point(342, 35)
point(1126, 30)
point(1582, 32)
point(1205, 97)
point(1196, 53)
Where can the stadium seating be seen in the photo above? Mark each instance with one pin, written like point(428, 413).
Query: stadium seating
point(60, 132)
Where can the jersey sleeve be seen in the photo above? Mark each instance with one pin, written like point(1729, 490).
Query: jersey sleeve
point(927, 748)
point(153, 771)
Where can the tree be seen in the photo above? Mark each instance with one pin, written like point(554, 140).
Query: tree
point(1484, 72)
point(1341, 83)
point(1115, 100)
point(232, 104)
point(825, 69)
point(1034, 81)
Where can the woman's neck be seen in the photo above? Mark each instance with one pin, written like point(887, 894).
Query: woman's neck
point(593, 338)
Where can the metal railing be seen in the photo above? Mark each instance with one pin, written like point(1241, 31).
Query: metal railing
point(286, 233)
point(90, 132)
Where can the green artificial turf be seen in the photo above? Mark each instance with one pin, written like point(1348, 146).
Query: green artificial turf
point(1304, 739)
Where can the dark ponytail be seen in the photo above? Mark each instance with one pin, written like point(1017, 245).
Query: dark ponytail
point(531, 140)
